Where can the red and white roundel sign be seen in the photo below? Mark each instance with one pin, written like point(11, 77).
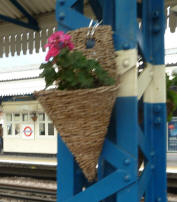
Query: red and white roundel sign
point(28, 131)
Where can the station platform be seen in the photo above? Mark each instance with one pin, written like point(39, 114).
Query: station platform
point(28, 160)
point(172, 162)
point(52, 161)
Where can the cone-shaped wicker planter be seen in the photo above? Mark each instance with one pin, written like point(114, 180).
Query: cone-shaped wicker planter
point(82, 118)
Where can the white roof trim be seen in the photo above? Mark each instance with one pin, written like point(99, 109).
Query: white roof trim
point(171, 59)
point(7, 76)
point(21, 87)
point(16, 39)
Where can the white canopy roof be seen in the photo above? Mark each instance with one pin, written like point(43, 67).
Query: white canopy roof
point(16, 73)
point(21, 87)
point(14, 38)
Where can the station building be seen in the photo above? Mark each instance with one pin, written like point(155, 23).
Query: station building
point(26, 127)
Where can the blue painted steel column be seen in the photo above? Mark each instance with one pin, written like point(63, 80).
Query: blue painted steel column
point(67, 169)
point(155, 98)
point(126, 104)
point(70, 179)
point(123, 127)
point(65, 172)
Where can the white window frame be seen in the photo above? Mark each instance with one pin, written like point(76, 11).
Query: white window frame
point(13, 122)
point(46, 122)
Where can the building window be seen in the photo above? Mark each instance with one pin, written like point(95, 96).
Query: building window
point(13, 124)
point(25, 116)
point(46, 127)
point(50, 129)
point(9, 129)
point(16, 117)
point(41, 117)
point(9, 117)
point(41, 128)
point(9, 123)
point(17, 129)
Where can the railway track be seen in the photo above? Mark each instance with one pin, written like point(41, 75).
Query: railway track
point(172, 180)
point(27, 193)
point(38, 171)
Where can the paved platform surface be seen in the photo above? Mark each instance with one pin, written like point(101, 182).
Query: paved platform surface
point(33, 160)
point(52, 161)
point(172, 163)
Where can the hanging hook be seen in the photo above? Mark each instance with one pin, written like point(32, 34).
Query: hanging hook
point(90, 24)
point(94, 28)
point(90, 43)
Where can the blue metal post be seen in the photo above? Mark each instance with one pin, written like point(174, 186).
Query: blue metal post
point(123, 128)
point(117, 173)
point(155, 98)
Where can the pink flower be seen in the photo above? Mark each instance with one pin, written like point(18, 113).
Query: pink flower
point(55, 37)
point(56, 42)
point(70, 46)
point(65, 37)
point(52, 53)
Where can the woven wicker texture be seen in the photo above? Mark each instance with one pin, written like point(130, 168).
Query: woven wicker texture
point(82, 116)
point(103, 51)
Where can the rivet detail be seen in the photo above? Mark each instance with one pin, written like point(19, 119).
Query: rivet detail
point(125, 63)
point(127, 178)
point(157, 121)
point(62, 2)
point(126, 46)
point(127, 162)
point(61, 16)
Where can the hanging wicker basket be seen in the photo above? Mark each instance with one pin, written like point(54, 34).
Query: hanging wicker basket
point(82, 116)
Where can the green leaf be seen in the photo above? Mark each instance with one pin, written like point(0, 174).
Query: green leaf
point(75, 71)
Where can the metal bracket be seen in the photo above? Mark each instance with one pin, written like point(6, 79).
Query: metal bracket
point(125, 60)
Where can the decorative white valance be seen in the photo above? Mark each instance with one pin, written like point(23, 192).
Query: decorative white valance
point(16, 39)
point(172, 15)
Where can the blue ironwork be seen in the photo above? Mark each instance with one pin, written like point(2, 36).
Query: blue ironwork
point(124, 126)
point(153, 28)
point(126, 30)
point(31, 24)
point(118, 179)
point(155, 133)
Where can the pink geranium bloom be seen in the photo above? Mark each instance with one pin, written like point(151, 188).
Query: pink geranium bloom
point(70, 46)
point(56, 42)
point(55, 37)
point(52, 53)
point(64, 38)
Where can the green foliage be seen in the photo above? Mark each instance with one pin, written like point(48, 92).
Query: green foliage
point(72, 70)
point(171, 95)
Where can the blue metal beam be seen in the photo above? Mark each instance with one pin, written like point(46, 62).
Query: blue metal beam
point(153, 28)
point(66, 180)
point(65, 14)
point(124, 157)
point(31, 24)
point(155, 130)
point(104, 188)
point(126, 22)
